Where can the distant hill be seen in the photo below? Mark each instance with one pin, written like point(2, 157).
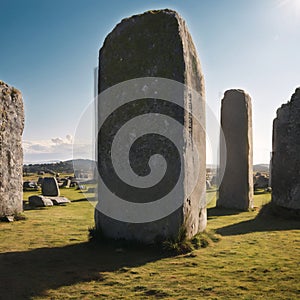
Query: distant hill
point(87, 165)
point(261, 168)
point(256, 168)
point(84, 165)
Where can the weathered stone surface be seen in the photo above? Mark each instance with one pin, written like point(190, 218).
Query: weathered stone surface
point(286, 155)
point(236, 189)
point(39, 201)
point(59, 200)
point(260, 182)
point(156, 44)
point(11, 153)
point(50, 187)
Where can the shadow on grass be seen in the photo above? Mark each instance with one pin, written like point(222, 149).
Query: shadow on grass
point(26, 205)
point(27, 274)
point(82, 200)
point(217, 212)
point(266, 220)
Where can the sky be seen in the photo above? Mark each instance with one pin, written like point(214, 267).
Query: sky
point(49, 51)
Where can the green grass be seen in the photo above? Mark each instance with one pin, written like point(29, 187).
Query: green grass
point(48, 256)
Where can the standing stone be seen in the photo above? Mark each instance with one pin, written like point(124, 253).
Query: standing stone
point(66, 183)
point(156, 44)
point(236, 189)
point(286, 155)
point(40, 181)
point(50, 187)
point(11, 153)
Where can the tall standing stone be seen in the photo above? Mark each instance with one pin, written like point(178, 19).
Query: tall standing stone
point(236, 189)
point(155, 44)
point(11, 152)
point(286, 155)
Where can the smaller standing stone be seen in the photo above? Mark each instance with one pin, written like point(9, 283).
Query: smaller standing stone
point(285, 171)
point(50, 187)
point(236, 189)
point(66, 183)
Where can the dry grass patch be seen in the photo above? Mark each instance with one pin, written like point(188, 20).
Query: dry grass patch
point(48, 256)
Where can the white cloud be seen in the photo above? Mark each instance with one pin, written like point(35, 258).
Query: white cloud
point(61, 141)
point(55, 149)
point(33, 147)
point(57, 141)
point(69, 138)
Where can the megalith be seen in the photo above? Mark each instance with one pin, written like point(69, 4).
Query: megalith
point(236, 188)
point(11, 152)
point(155, 44)
point(50, 187)
point(286, 156)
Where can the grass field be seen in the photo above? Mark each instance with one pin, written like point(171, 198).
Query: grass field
point(48, 256)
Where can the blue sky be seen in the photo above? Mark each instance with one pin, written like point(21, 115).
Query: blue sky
point(49, 50)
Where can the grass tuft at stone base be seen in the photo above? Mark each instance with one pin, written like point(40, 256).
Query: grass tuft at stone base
point(183, 245)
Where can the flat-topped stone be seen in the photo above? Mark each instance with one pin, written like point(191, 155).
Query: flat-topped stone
point(50, 187)
point(154, 44)
point(236, 189)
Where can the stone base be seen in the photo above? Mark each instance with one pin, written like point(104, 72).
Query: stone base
point(39, 201)
point(151, 232)
point(59, 200)
point(147, 233)
point(42, 201)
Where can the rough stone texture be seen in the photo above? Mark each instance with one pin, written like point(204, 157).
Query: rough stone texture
point(236, 189)
point(156, 44)
point(11, 153)
point(39, 201)
point(286, 155)
point(50, 187)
